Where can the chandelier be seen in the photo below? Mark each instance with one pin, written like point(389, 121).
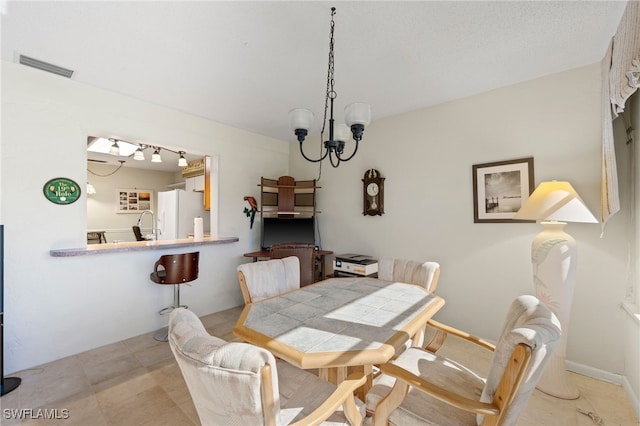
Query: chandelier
point(356, 115)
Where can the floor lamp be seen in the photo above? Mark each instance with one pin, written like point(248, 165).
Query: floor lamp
point(553, 255)
point(7, 384)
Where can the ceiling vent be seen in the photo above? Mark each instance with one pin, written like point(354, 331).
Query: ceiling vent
point(45, 66)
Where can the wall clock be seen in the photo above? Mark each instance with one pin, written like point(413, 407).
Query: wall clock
point(373, 193)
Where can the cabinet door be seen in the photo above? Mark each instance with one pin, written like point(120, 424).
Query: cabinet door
point(195, 184)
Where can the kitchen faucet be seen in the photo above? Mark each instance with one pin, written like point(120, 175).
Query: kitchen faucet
point(153, 223)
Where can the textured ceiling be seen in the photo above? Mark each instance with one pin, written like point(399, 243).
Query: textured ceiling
point(246, 64)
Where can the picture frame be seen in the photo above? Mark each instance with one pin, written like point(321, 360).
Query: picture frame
point(500, 189)
point(133, 201)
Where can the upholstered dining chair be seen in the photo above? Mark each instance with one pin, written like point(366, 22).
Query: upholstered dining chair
point(445, 392)
point(259, 280)
point(424, 274)
point(305, 252)
point(240, 384)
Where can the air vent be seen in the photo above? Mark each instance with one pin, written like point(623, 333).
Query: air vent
point(45, 66)
point(96, 161)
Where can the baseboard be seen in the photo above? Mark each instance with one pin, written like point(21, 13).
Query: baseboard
point(595, 373)
point(633, 398)
point(606, 376)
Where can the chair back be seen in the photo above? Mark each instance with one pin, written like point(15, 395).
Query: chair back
point(425, 274)
point(306, 254)
point(138, 233)
point(529, 322)
point(229, 383)
point(176, 268)
point(260, 280)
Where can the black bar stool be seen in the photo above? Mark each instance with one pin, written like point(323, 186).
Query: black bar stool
point(174, 269)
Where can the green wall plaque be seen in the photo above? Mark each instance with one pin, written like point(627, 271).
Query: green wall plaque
point(61, 191)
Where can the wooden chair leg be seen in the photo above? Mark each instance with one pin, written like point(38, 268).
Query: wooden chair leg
point(390, 403)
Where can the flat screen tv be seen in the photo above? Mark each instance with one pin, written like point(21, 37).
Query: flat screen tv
point(287, 230)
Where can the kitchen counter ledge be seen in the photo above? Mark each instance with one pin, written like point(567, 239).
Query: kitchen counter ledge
point(139, 246)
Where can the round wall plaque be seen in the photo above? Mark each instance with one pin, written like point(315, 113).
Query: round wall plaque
point(61, 191)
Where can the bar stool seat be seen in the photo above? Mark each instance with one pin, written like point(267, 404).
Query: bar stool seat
point(174, 269)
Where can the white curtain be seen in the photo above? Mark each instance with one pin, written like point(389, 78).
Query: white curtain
point(620, 63)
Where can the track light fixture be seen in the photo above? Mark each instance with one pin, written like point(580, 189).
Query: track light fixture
point(139, 154)
point(182, 162)
point(115, 148)
point(357, 116)
point(155, 157)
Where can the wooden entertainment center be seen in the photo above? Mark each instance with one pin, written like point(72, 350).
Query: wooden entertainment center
point(285, 198)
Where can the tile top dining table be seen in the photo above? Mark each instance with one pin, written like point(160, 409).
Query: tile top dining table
point(338, 323)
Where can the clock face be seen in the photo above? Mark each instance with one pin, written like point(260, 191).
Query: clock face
point(372, 189)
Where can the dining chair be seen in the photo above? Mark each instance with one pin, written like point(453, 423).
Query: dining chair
point(259, 280)
point(446, 392)
point(425, 274)
point(305, 252)
point(138, 233)
point(234, 383)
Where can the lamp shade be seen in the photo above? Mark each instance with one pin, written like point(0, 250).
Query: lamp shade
point(155, 157)
point(343, 133)
point(138, 155)
point(115, 148)
point(357, 113)
point(556, 201)
point(300, 118)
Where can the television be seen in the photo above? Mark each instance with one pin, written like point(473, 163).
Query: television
point(287, 230)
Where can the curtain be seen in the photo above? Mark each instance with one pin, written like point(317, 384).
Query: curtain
point(620, 67)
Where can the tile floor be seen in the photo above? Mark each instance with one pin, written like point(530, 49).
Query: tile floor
point(137, 382)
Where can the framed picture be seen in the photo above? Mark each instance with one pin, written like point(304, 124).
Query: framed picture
point(500, 189)
point(133, 200)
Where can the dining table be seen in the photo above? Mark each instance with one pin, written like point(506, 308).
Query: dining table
point(340, 325)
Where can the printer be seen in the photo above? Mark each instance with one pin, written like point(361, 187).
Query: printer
point(355, 264)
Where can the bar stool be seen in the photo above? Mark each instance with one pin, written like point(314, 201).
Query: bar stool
point(174, 269)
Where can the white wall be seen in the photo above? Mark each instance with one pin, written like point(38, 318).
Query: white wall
point(55, 307)
point(427, 156)
point(629, 154)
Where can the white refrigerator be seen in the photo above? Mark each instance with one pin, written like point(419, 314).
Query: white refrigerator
point(176, 211)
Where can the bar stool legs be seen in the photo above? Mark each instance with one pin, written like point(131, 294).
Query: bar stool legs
point(162, 335)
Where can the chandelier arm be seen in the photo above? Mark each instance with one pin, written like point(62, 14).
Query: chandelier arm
point(351, 156)
point(334, 165)
point(309, 159)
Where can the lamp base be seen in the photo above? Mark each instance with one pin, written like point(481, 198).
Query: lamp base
point(9, 384)
point(555, 380)
point(553, 254)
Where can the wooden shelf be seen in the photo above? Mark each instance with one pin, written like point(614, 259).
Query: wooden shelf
point(286, 197)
